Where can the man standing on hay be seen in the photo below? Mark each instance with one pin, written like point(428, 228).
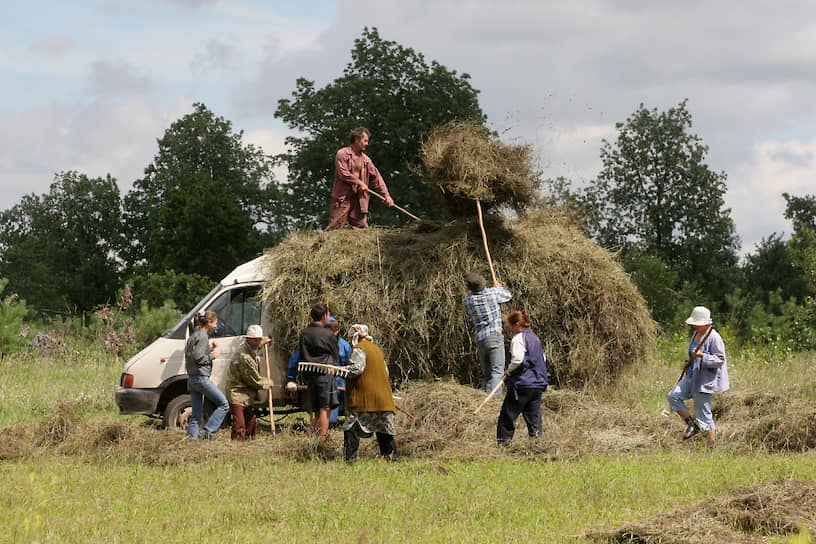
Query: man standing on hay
point(369, 402)
point(354, 172)
point(482, 306)
point(318, 344)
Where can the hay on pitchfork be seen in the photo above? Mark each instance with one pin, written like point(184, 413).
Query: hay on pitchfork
point(466, 162)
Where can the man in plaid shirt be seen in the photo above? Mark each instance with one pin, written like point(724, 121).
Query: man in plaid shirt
point(482, 306)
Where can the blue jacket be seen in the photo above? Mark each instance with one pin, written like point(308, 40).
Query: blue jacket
point(532, 373)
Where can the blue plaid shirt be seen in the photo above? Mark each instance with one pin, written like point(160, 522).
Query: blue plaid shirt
point(484, 310)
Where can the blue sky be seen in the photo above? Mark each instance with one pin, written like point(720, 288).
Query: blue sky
point(91, 85)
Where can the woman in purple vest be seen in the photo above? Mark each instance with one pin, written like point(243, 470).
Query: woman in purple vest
point(525, 380)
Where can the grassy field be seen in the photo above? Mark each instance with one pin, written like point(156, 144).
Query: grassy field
point(223, 492)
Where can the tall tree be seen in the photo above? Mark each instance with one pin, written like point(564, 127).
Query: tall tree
point(59, 249)
point(200, 151)
point(400, 98)
point(655, 194)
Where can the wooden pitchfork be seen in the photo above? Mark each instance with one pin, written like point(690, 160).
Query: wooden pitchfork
point(490, 396)
point(406, 212)
point(688, 361)
point(484, 239)
point(269, 375)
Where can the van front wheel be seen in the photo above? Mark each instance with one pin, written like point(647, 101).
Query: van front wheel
point(178, 412)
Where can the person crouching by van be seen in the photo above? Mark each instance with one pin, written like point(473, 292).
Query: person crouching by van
point(369, 401)
point(198, 359)
point(318, 344)
point(244, 380)
point(525, 380)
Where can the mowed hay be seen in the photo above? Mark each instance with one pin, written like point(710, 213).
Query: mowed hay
point(407, 286)
point(771, 420)
point(750, 514)
point(466, 163)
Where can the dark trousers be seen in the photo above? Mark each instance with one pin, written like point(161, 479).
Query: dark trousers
point(243, 422)
point(351, 442)
point(519, 401)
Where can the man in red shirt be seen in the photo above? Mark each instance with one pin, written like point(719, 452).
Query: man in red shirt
point(354, 171)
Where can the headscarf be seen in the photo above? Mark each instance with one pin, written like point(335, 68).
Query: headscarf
point(358, 332)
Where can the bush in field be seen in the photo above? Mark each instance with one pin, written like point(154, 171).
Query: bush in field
point(13, 330)
point(149, 322)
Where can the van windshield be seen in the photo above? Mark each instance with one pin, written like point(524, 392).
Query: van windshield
point(180, 329)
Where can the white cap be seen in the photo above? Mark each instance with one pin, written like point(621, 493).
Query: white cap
point(700, 315)
point(254, 331)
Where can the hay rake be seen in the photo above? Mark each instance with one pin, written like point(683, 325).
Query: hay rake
point(320, 368)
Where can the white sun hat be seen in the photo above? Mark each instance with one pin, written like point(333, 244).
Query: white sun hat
point(700, 315)
point(254, 331)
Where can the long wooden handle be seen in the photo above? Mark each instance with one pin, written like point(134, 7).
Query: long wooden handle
point(269, 375)
point(406, 212)
point(688, 361)
point(490, 396)
point(413, 417)
point(484, 239)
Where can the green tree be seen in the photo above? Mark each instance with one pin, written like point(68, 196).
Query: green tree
point(59, 249)
point(770, 269)
point(205, 193)
point(14, 333)
point(400, 98)
point(656, 195)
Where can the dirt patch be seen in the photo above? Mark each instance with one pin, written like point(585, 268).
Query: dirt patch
point(750, 514)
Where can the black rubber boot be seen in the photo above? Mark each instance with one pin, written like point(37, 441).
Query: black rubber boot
point(692, 428)
point(388, 446)
point(351, 441)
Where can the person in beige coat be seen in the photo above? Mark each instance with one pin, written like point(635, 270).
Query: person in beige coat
point(244, 380)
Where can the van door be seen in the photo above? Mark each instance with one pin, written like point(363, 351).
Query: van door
point(237, 309)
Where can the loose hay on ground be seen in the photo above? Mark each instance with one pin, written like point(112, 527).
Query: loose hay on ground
point(750, 514)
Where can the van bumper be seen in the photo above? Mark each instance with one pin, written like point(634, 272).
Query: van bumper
point(137, 401)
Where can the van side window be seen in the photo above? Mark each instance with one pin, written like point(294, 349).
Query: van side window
point(237, 309)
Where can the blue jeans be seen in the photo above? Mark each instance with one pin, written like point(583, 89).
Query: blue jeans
point(491, 357)
point(702, 403)
point(200, 387)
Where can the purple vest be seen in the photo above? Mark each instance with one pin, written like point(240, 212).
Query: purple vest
point(532, 374)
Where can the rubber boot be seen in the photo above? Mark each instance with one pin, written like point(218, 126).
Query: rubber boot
point(351, 441)
point(692, 428)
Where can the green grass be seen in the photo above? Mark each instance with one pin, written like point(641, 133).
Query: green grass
point(31, 385)
point(248, 499)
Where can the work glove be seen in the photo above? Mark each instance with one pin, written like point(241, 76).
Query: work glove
point(291, 387)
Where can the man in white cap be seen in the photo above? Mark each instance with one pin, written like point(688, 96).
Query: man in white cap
point(244, 380)
point(704, 373)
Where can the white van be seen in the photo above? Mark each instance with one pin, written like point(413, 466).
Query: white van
point(154, 381)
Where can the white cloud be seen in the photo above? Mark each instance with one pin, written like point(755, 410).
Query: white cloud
point(272, 142)
point(51, 45)
point(118, 78)
point(755, 194)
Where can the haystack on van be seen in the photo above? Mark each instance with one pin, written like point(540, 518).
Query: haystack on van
point(154, 381)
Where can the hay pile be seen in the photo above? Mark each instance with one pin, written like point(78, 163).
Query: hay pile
point(772, 420)
point(466, 163)
point(751, 514)
point(407, 286)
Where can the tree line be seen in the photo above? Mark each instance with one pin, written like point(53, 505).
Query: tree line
point(208, 201)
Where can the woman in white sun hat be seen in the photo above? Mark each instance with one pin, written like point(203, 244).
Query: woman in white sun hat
point(704, 373)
